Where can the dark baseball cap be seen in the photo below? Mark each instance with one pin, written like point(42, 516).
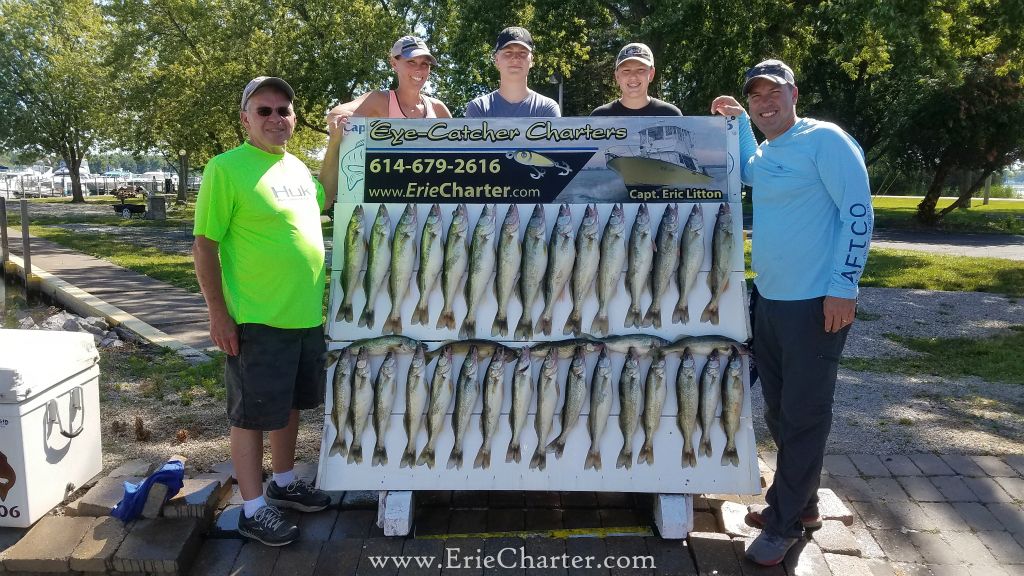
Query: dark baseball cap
point(263, 81)
point(514, 35)
point(775, 70)
point(635, 51)
point(411, 47)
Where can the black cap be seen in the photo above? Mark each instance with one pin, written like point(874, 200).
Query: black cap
point(774, 70)
point(514, 35)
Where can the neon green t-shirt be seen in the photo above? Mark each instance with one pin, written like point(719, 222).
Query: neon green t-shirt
point(264, 211)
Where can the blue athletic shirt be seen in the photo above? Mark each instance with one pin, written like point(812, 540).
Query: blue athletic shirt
point(812, 210)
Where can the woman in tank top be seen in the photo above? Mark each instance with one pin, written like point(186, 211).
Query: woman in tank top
point(411, 61)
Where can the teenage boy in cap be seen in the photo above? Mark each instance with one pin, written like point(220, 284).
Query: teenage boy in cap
point(513, 57)
point(259, 258)
point(634, 71)
point(812, 228)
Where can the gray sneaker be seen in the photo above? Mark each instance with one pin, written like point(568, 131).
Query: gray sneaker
point(269, 527)
point(298, 495)
point(769, 549)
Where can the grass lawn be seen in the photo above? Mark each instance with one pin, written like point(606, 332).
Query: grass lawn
point(1000, 216)
point(995, 359)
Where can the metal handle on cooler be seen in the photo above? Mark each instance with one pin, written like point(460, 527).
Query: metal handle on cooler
point(76, 405)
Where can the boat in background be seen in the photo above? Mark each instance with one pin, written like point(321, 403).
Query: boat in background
point(664, 159)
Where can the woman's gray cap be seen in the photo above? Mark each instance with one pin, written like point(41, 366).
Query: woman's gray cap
point(411, 47)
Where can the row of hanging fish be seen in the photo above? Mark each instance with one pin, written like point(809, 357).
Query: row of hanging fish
point(532, 265)
point(356, 395)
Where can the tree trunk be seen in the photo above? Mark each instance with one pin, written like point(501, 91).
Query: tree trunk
point(74, 164)
point(965, 195)
point(926, 209)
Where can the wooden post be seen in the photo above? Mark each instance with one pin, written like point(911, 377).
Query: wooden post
point(26, 253)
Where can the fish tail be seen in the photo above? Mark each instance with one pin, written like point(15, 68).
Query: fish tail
point(340, 445)
point(468, 329)
point(625, 459)
point(557, 446)
point(539, 460)
point(633, 316)
point(408, 458)
point(543, 324)
point(600, 325)
point(730, 456)
point(447, 319)
point(500, 326)
point(366, 318)
point(455, 460)
point(572, 323)
point(593, 460)
point(710, 312)
point(682, 312)
point(483, 459)
point(426, 457)
point(393, 325)
point(514, 453)
point(646, 454)
point(705, 446)
point(689, 458)
point(344, 311)
point(653, 316)
point(420, 315)
point(380, 456)
point(524, 330)
point(355, 454)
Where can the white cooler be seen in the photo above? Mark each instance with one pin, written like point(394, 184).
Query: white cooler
point(49, 420)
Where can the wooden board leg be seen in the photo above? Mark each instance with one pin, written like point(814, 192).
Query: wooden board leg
point(673, 515)
point(395, 511)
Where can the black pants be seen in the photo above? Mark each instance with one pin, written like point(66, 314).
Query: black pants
point(797, 362)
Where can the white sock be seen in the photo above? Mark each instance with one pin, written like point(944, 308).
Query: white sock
point(284, 478)
point(249, 507)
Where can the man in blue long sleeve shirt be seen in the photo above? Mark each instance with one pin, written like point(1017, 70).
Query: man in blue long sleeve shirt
point(812, 229)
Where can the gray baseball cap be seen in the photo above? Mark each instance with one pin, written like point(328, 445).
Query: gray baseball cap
point(635, 51)
point(775, 70)
point(262, 81)
point(411, 47)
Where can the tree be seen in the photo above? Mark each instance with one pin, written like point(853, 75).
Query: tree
point(53, 83)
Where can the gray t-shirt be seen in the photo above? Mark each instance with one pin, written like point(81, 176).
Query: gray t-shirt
point(494, 106)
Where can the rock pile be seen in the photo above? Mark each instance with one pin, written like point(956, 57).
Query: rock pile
point(57, 319)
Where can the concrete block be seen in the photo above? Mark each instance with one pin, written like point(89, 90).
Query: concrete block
point(196, 499)
point(226, 522)
point(159, 546)
point(222, 478)
point(911, 569)
point(216, 557)
point(835, 538)
point(944, 516)
point(48, 546)
point(832, 508)
point(396, 512)
point(921, 489)
point(714, 554)
point(854, 488)
point(225, 467)
point(887, 488)
point(359, 499)
point(994, 467)
point(931, 465)
point(989, 490)
point(732, 520)
point(95, 551)
point(1003, 546)
point(963, 465)
point(977, 517)
point(140, 468)
point(954, 489)
point(806, 559)
point(847, 565)
point(1013, 486)
point(970, 549)
point(897, 546)
point(901, 465)
point(839, 465)
point(1009, 515)
point(155, 500)
point(869, 465)
point(868, 547)
point(673, 515)
point(879, 567)
point(1015, 461)
point(704, 522)
point(934, 549)
point(101, 498)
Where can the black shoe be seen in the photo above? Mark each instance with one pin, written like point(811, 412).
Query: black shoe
point(269, 527)
point(298, 495)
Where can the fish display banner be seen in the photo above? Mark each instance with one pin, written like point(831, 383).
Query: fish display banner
point(540, 160)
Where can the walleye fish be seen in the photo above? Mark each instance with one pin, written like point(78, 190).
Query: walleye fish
point(481, 268)
point(383, 344)
point(710, 395)
point(378, 264)
point(691, 258)
point(561, 254)
point(383, 401)
point(600, 406)
point(688, 401)
point(588, 255)
point(403, 259)
point(631, 395)
point(415, 401)
point(609, 268)
point(722, 242)
point(522, 392)
point(510, 255)
point(355, 256)
point(640, 257)
point(466, 391)
point(654, 404)
point(431, 259)
point(703, 345)
point(547, 398)
point(483, 347)
point(494, 395)
point(441, 391)
point(575, 396)
point(362, 401)
point(456, 259)
point(566, 348)
point(732, 404)
point(534, 264)
point(666, 259)
point(342, 387)
point(642, 344)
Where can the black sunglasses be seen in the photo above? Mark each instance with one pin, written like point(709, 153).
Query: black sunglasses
point(771, 69)
point(282, 111)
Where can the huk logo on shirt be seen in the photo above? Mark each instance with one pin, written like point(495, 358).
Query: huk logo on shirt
point(7, 477)
point(290, 193)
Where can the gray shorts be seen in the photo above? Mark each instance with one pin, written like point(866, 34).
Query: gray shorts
point(276, 370)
